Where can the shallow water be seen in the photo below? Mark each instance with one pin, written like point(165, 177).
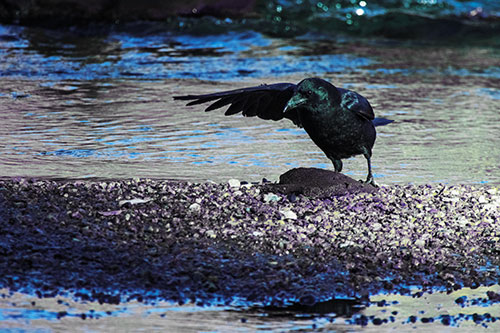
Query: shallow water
point(436, 312)
point(83, 105)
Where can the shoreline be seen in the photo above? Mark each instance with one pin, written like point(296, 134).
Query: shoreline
point(180, 241)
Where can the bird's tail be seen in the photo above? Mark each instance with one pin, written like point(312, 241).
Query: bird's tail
point(381, 121)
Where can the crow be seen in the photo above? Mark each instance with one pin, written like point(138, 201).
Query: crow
point(340, 122)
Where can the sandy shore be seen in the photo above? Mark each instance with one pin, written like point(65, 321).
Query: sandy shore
point(213, 243)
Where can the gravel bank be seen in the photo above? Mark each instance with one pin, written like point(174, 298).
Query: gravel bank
point(214, 243)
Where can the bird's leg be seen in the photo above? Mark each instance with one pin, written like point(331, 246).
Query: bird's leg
point(337, 164)
point(369, 178)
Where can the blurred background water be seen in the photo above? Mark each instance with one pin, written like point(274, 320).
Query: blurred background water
point(94, 98)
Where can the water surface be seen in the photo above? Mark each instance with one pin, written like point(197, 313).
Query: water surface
point(437, 312)
point(82, 106)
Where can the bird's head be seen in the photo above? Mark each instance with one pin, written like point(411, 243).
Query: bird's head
point(312, 93)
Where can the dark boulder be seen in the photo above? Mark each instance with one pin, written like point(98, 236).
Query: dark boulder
point(317, 183)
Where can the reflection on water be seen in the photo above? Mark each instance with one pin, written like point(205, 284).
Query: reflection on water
point(100, 106)
point(45, 54)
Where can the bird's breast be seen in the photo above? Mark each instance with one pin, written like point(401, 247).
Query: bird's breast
point(327, 124)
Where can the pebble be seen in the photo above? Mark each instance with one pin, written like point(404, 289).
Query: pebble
point(234, 182)
point(270, 197)
point(133, 201)
point(195, 207)
point(288, 214)
point(420, 243)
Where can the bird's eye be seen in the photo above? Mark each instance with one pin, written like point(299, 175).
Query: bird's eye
point(309, 92)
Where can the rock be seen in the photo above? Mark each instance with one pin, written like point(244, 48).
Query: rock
point(108, 213)
point(288, 214)
point(492, 190)
point(195, 207)
point(405, 241)
point(234, 183)
point(211, 234)
point(270, 197)
point(318, 183)
point(420, 243)
point(134, 201)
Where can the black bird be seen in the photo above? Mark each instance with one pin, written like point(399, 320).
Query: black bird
point(339, 121)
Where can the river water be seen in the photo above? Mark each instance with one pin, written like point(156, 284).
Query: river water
point(99, 105)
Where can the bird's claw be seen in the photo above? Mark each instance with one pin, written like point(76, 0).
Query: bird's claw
point(370, 181)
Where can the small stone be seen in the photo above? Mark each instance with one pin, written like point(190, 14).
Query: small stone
point(234, 182)
point(268, 197)
point(109, 213)
point(288, 214)
point(347, 243)
point(211, 234)
point(492, 190)
point(195, 207)
point(133, 201)
point(420, 242)
point(376, 226)
point(405, 241)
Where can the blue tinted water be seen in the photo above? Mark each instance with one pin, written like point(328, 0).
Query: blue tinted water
point(81, 104)
point(232, 56)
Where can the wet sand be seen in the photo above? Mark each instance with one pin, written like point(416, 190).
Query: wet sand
point(115, 241)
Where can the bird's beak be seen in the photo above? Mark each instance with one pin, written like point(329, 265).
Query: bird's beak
point(295, 102)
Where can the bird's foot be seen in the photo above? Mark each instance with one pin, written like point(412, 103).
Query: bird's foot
point(369, 180)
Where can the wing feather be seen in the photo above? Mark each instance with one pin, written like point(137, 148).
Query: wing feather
point(354, 102)
point(235, 107)
point(220, 103)
point(252, 108)
point(264, 101)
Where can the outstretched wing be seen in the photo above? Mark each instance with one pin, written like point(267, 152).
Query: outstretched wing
point(264, 101)
point(355, 102)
